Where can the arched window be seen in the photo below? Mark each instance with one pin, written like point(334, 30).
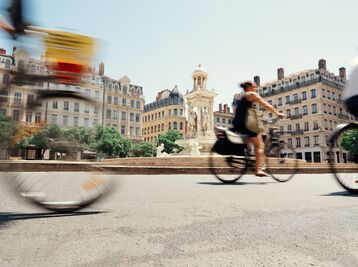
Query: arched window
point(181, 126)
point(170, 126)
point(175, 125)
point(162, 126)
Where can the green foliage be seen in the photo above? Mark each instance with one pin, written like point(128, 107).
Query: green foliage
point(110, 142)
point(142, 149)
point(168, 139)
point(83, 136)
point(349, 141)
point(7, 129)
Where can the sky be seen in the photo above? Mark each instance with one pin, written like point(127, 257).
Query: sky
point(159, 43)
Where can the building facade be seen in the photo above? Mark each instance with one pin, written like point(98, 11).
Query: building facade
point(312, 102)
point(116, 103)
point(167, 112)
point(223, 117)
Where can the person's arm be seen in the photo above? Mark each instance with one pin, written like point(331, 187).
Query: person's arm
point(255, 97)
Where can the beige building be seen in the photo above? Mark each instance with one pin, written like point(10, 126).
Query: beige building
point(223, 117)
point(123, 108)
point(312, 102)
point(165, 113)
point(117, 103)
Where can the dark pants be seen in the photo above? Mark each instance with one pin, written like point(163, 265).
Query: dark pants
point(352, 105)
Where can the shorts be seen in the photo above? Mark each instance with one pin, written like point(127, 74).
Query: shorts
point(352, 105)
point(245, 131)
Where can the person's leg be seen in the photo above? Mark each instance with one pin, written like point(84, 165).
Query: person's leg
point(259, 152)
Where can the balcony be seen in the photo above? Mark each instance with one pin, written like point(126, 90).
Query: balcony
point(295, 101)
point(296, 116)
point(296, 132)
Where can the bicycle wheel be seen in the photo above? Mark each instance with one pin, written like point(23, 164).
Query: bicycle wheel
point(227, 168)
point(344, 156)
point(60, 183)
point(281, 162)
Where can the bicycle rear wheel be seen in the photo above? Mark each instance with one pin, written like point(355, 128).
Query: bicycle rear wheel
point(228, 168)
point(281, 162)
point(344, 157)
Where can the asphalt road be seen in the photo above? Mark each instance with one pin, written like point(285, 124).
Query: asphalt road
point(188, 220)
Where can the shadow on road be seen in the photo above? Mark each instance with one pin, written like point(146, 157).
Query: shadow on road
point(6, 217)
point(237, 183)
point(341, 193)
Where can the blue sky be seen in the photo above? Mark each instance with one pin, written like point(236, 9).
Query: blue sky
point(158, 43)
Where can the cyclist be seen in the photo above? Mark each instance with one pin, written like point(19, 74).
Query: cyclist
point(242, 102)
point(351, 91)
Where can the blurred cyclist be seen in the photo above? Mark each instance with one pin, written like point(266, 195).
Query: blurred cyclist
point(242, 102)
point(351, 91)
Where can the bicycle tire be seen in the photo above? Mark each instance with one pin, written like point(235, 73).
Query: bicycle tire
point(347, 177)
point(56, 191)
point(231, 172)
point(281, 166)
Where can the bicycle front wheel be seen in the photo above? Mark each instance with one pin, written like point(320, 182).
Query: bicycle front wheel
point(344, 157)
point(281, 162)
point(228, 169)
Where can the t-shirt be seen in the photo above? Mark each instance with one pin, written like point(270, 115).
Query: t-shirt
point(352, 84)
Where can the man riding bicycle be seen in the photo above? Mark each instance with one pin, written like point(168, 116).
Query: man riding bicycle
point(351, 91)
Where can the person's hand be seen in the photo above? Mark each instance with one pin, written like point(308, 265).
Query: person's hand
point(281, 115)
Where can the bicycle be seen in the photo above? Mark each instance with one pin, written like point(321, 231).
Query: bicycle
point(68, 56)
point(345, 138)
point(232, 151)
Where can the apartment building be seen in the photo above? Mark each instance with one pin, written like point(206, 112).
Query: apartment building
point(223, 117)
point(165, 113)
point(312, 102)
point(116, 103)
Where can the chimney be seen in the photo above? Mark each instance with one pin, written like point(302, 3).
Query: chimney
point(257, 80)
point(322, 65)
point(280, 73)
point(2, 51)
point(342, 73)
point(101, 69)
point(225, 108)
point(220, 108)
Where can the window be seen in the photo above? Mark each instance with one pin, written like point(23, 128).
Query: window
point(308, 156)
point(87, 92)
point(306, 126)
point(175, 125)
point(115, 100)
point(28, 116)
point(123, 129)
point(132, 103)
point(7, 63)
point(131, 130)
point(305, 110)
point(76, 107)
point(75, 121)
point(65, 121)
point(181, 126)
point(137, 131)
point(175, 112)
point(137, 118)
point(37, 117)
point(124, 115)
point(314, 108)
point(30, 99)
point(307, 141)
point(217, 119)
point(86, 108)
point(316, 140)
point(109, 99)
point(298, 142)
point(317, 156)
point(96, 95)
point(224, 121)
point(279, 101)
point(289, 142)
point(313, 93)
point(289, 127)
point(54, 105)
point(304, 95)
point(16, 115)
point(295, 98)
point(296, 111)
point(17, 98)
point(124, 102)
point(85, 122)
point(170, 112)
point(315, 125)
point(95, 110)
point(297, 127)
point(5, 78)
point(115, 114)
point(108, 113)
point(138, 104)
point(53, 118)
point(287, 99)
point(288, 113)
point(131, 117)
point(65, 105)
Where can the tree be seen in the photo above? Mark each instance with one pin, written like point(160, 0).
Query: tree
point(110, 142)
point(349, 142)
point(83, 136)
point(168, 139)
point(142, 149)
point(8, 130)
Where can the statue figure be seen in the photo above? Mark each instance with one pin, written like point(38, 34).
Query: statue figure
point(192, 122)
point(205, 121)
point(194, 148)
point(160, 150)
